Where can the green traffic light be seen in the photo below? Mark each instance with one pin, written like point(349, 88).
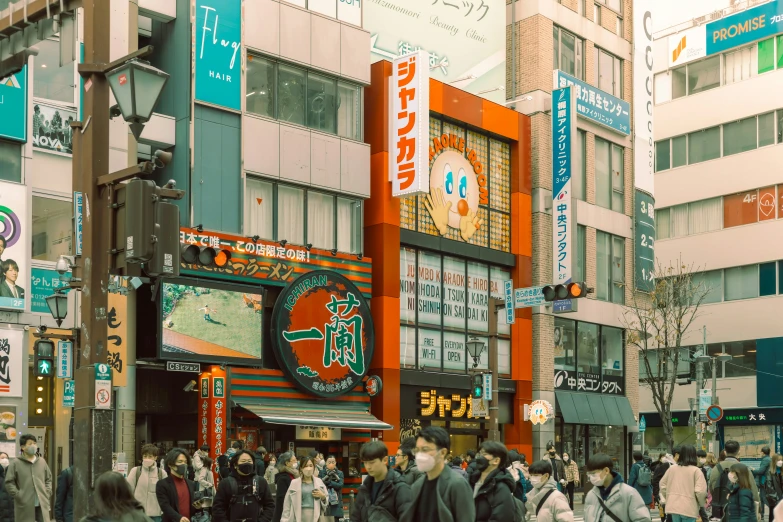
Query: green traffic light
point(44, 368)
point(477, 392)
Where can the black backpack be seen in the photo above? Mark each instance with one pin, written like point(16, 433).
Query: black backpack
point(245, 505)
point(720, 493)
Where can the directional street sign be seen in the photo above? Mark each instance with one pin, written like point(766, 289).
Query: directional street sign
point(526, 297)
point(714, 413)
point(642, 424)
point(508, 293)
point(69, 394)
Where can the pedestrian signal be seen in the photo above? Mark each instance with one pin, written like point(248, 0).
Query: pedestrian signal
point(478, 385)
point(44, 358)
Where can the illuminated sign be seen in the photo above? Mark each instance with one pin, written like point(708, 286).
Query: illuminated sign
point(687, 46)
point(434, 405)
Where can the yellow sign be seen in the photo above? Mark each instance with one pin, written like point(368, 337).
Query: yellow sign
point(457, 405)
point(540, 411)
point(117, 342)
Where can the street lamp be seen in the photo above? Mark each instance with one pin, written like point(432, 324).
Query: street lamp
point(136, 86)
point(58, 306)
point(475, 349)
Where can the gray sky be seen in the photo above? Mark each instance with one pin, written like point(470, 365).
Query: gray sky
point(672, 12)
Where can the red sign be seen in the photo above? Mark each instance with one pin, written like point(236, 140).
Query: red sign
point(123, 79)
point(410, 99)
point(212, 411)
point(373, 386)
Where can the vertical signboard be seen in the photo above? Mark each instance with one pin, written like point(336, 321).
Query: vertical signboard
point(563, 225)
point(643, 161)
point(14, 246)
point(205, 413)
point(102, 387)
point(644, 241)
point(78, 203)
point(410, 120)
point(508, 294)
point(13, 361)
point(117, 353)
point(43, 283)
point(13, 106)
point(218, 58)
point(69, 394)
point(64, 359)
point(219, 407)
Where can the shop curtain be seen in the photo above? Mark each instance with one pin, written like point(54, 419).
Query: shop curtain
point(320, 220)
point(704, 216)
point(679, 221)
point(290, 214)
point(348, 214)
point(258, 208)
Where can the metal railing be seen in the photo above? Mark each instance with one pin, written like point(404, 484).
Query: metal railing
point(734, 8)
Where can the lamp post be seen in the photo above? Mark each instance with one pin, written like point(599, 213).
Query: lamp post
point(475, 349)
point(714, 360)
point(136, 86)
point(58, 306)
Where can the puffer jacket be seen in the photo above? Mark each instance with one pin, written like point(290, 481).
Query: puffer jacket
point(145, 488)
point(742, 507)
point(555, 508)
point(620, 498)
point(494, 499)
point(411, 473)
point(459, 471)
point(683, 491)
point(571, 471)
point(392, 501)
point(6, 502)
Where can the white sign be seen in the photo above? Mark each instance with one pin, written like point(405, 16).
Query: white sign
point(15, 246)
point(686, 46)
point(102, 387)
point(318, 433)
point(643, 150)
point(487, 386)
point(121, 468)
point(410, 125)
point(13, 360)
point(526, 297)
point(705, 401)
point(64, 359)
point(480, 408)
point(508, 296)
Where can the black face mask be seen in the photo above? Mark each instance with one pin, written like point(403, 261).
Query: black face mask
point(246, 468)
point(482, 463)
point(552, 453)
point(182, 469)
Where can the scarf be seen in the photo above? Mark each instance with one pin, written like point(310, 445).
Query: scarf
point(292, 471)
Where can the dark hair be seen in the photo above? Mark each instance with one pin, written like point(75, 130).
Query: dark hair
point(173, 455)
point(113, 497)
point(540, 467)
point(149, 449)
point(496, 449)
point(261, 450)
point(744, 480)
point(456, 461)
point(522, 458)
point(4, 240)
point(8, 263)
point(406, 447)
point(687, 456)
point(513, 456)
point(207, 462)
point(335, 458)
point(372, 450)
point(24, 438)
point(676, 450)
point(471, 454)
point(312, 454)
point(284, 459)
point(661, 455)
point(436, 435)
point(304, 461)
point(701, 454)
point(237, 445)
point(550, 446)
point(239, 453)
point(205, 447)
point(731, 448)
point(765, 450)
point(722, 456)
point(600, 461)
point(637, 456)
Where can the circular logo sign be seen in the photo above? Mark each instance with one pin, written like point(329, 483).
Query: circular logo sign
point(373, 386)
point(322, 333)
point(540, 411)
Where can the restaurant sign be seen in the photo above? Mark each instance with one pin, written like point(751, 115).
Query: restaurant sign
point(323, 334)
point(457, 406)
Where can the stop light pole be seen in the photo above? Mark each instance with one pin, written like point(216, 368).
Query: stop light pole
point(494, 429)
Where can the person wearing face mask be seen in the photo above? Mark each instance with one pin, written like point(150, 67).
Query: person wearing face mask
point(640, 478)
point(664, 462)
point(6, 502)
point(176, 492)
point(558, 469)
point(306, 499)
point(288, 468)
point(204, 476)
point(384, 495)
point(493, 486)
point(549, 504)
point(29, 482)
point(571, 477)
point(63, 505)
point(406, 463)
point(334, 480)
point(198, 457)
point(520, 474)
point(741, 506)
point(143, 481)
point(271, 472)
point(611, 498)
point(243, 495)
point(683, 488)
point(720, 484)
point(441, 495)
point(773, 484)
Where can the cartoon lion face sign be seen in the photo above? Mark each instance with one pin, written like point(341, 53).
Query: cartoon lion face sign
point(453, 201)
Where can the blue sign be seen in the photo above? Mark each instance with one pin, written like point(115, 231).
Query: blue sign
point(78, 220)
point(597, 105)
point(642, 424)
point(508, 294)
point(64, 359)
point(531, 296)
point(13, 106)
point(218, 56)
point(745, 27)
point(43, 284)
point(563, 305)
point(69, 394)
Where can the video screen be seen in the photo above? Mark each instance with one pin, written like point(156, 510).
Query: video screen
point(210, 321)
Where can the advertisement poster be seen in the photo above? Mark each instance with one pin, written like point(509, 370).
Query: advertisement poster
point(563, 128)
point(13, 360)
point(52, 128)
point(643, 97)
point(14, 246)
point(117, 353)
point(43, 284)
point(218, 58)
point(466, 41)
point(13, 106)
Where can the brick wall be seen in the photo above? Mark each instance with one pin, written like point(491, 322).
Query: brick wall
point(543, 352)
point(534, 66)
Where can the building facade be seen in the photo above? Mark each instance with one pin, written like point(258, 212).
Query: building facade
point(717, 135)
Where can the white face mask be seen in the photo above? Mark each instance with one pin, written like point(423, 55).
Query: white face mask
point(536, 482)
point(733, 477)
point(596, 479)
point(308, 472)
point(425, 462)
point(294, 465)
point(148, 463)
point(778, 463)
point(4, 463)
point(702, 460)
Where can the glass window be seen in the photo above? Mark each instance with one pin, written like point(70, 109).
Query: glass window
point(407, 347)
point(612, 350)
point(704, 145)
point(429, 291)
point(616, 5)
point(618, 270)
point(662, 87)
point(581, 249)
point(608, 73)
point(321, 107)
point(290, 214)
point(704, 75)
point(662, 155)
point(609, 177)
point(779, 57)
point(766, 55)
point(705, 215)
point(740, 65)
point(565, 344)
point(603, 252)
point(320, 220)
point(710, 284)
point(587, 348)
point(662, 226)
point(478, 297)
point(766, 129)
point(739, 136)
point(580, 170)
point(455, 356)
point(610, 267)
point(780, 125)
point(10, 161)
point(780, 280)
point(259, 209)
point(52, 228)
point(349, 111)
point(429, 349)
point(618, 179)
point(291, 94)
point(50, 80)
point(679, 220)
point(453, 292)
point(768, 279)
point(740, 209)
point(679, 151)
point(678, 82)
point(741, 282)
point(743, 359)
point(567, 50)
point(260, 97)
point(349, 225)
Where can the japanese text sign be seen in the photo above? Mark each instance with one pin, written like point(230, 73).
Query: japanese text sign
point(745, 27)
point(527, 297)
point(434, 405)
point(69, 394)
point(16, 245)
point(78, 221)
point(13, 359)
point(117, 353)
point(43, 284)
point(563, 132)
point(597, 105)
point(13, 106)
point(569, 380)
point(64, 359)
point(322, 333)
point(212, 411)
point(102, 387)
point(508, 297)
point(218, 59)
point(410, 125)
point(643, 160)
point(644, 242)
point(318, 433)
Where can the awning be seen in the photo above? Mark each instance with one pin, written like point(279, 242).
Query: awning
point(323, 413)
point(595, 409)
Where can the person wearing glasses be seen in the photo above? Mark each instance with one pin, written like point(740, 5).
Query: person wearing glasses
point(405, 462)
point(440, 495)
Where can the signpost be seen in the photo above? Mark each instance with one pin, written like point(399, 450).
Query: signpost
point(642, 424)
point(714, 413)
point(508, 294)
point(705, 400)
point(102, 387)
point(527, 297)
point(480, 408)
point(487, 386)
point(64, 359)
point(69, 394)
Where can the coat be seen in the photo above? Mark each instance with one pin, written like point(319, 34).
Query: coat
point(133, 516)
point(292, 505)
point(646, 492)
point(658, 473)
point(572, 472)
point(495, 498)
point(622, 500)
point(455, 499)
point(63, 506)
point(282, 483)
point(168, 500)
point(144, 488)
point(741, 506)
point(555, 508)
point(392, 501)
point(717, 472)
point(222, 505)
point(6, 502)
point(411, 473)
point(334, 480)
point(20, 479)
point(260, 468)
point(459, 471)
point(773, 488)
point(557, 466)
point(684, 491)
point(761, 472)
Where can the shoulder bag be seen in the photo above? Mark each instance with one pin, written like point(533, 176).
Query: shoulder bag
point(608, 511)
point(543, 499)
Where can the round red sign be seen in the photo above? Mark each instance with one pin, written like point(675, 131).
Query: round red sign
point(373, 386)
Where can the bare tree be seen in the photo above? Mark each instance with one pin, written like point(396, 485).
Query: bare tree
point(656, 324)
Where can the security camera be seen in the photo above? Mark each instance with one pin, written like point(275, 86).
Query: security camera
point(162, 158)
point(171, 184)
point(64, 264)
point(42, 329)
point(191, 386)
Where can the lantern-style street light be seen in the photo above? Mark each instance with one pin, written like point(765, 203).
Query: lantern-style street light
point(136, 86)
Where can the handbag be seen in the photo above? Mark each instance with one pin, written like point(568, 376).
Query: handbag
point(201, 516)
point(333, 500)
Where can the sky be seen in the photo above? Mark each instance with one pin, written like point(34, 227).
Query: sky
point(672, 12)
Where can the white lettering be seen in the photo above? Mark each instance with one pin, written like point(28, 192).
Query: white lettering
point(204, 29)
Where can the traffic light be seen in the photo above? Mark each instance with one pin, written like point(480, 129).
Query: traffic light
point(141, 197)
point(478, 385)
point(566, 291)
point(43, 358)
point(205, 256)
point(165, 259)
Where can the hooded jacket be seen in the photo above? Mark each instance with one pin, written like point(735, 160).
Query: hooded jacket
point(619, 498)
point(223, 506)
point(25, 479)
point(394, 499)
point(494, 500)
point(260, 469)
point(411, 473)
point(454, 497)
point(741, 506)
point(555, 508)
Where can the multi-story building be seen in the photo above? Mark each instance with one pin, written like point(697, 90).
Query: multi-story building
point(717, 148)
point(580, 364)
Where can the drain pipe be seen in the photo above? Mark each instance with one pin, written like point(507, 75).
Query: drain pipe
point(513, 51)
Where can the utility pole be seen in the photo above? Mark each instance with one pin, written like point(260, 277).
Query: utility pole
point(494, 429)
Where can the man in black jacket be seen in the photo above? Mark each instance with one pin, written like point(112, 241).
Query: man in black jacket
point(63, 506)
point(384, 495)
point(260, 454)
point(494, 498)
point(405, 462)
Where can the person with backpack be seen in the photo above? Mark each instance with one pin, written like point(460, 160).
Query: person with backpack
point(204, 476)
point(549, 504)
point(683, 488)
point(143, 481)
point(640, 478)
point(719, 483)
point(611, 498)
point(761, 473)
point(742, 505)
point(493, 486)
point(384, 495)
point(243, 495)
point(571, 477)
point(63, 505)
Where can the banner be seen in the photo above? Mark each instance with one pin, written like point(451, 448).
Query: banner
point(13, 362)
point(643, 150)
point(117, 327)
point(13, 106)
point(43, 284)
point(687, 46)
point(14, 246)
point(52, 128)
point(563, 227)
point(218, 52)
point(644, 242)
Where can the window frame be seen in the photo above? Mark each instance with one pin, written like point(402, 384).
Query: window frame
point(75, 86)
point(579, 52)
point(617, 66)
point(57, 196)
point(613, 286)
point(611, 147)
point(599, 348)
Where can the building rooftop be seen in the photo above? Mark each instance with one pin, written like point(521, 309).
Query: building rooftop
point(735, 6)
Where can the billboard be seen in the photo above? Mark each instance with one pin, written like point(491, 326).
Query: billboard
point(743, 28)
point(643, 155)
point(13, 106)
point(218, 58)
point(563, 224)
point(687, 46)
point(466, 41)
point(13, 362)
point(597, 105)
point(15, 246)
point(52, 128)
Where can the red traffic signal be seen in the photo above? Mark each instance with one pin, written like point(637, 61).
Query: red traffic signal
point(205, 256)
point(567, 291)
